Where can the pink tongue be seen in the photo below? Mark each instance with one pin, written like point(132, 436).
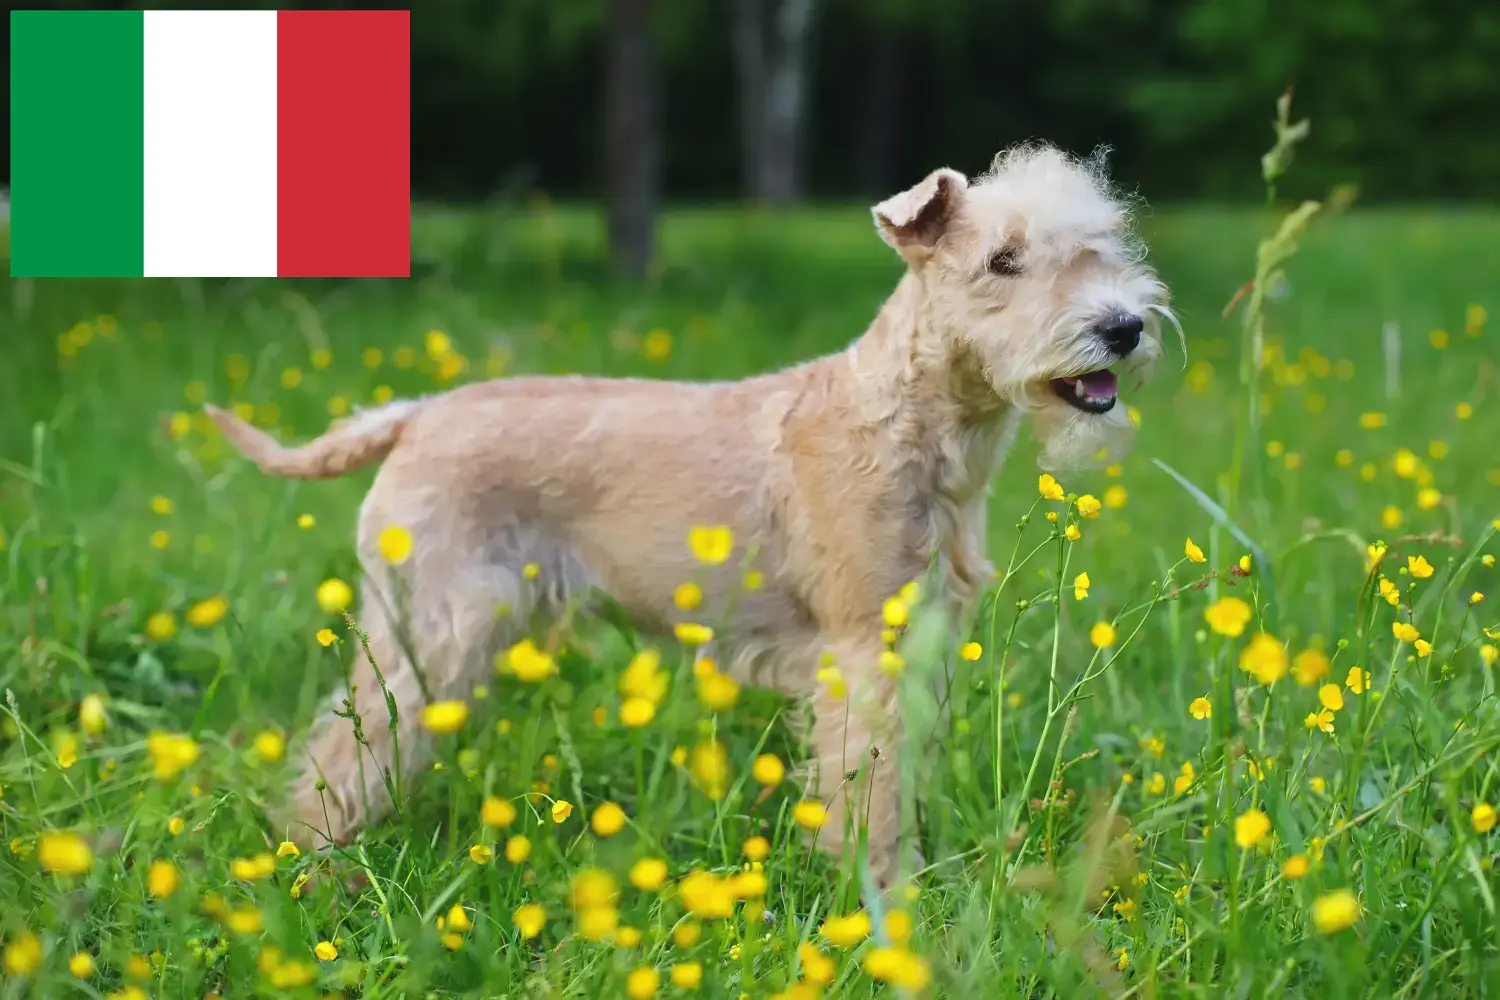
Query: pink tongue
point(1099, 385)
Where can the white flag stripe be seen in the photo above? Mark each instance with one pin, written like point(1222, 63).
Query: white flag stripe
point(210, 143)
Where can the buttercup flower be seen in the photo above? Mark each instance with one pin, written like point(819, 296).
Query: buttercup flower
point(64, 853)
point(1419, 567)
point(1483, 817)
point(1358, 681)
point(1102, 635)
point(608, 820)
point(529, 920)
point(1081, 586)
point(1049, 488)
point(395, 544)
point(497, 813)
point(768, 769)
point(1201, 708)
point(1264, 657)
point(325, 951)
point(334, 595)
point(561, 810)
point(1251, 827)
point(326, 637)
point(1194, 553)
point(1321, 719)
point(970, 651)
point(517, 849)
point(206, 614)
point(444, 717)
point(810, 814)
point(1331, 696)
point(846, 931)
point(648, 874)
point(1335, 911)
point(1295, 867)
point(1088, 505)
point(1309, 667)
point(1228, 616)
point(711, 545)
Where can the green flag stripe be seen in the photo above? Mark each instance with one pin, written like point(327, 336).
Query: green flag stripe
point(77, 164)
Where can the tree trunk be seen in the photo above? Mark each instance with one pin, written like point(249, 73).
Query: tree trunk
point(631, 139)
point(772, 39)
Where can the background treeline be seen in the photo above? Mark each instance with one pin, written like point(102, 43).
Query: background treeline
point(511, 95)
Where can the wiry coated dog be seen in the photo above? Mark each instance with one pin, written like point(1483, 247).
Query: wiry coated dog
point(1024, 293)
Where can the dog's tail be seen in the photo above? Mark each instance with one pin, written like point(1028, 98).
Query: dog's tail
point(364, 438)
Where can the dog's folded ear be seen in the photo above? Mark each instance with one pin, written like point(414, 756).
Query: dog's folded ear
point(914, 220)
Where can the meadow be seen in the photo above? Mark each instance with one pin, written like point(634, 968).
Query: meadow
point(1235, 739)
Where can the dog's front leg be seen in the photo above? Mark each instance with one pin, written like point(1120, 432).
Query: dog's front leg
point(855, 733)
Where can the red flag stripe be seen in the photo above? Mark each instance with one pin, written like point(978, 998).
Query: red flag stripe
point(343, 106)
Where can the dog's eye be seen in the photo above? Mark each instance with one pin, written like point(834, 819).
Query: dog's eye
point(1005, 263)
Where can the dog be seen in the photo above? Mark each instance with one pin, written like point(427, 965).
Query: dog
point(1024, 293)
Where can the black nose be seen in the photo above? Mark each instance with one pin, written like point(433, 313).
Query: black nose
point(1122, 332)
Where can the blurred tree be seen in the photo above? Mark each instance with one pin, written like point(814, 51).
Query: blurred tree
point(631, 141)
point(772, 39)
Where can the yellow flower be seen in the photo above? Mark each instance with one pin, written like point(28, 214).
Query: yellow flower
point(67, 750)
point(287, 849)
point(810, 814)
point(970, 651)
point(530, 663)
point(707, 896)
point(1309, 667)
point(846, 931)
point(1072, 533)
point(445, 717)
point(642, 983)
point(1123, 962)
point(768, 769)
point(1264, 657)
point(529, 919)
point(1318, 785)
point(754, 580)
point(1081, 586)
point(161, 626)
point(160, 539)
point(497, 812)
point(1194, 553)
point(1157, 784)
point(1228, 616)
point(269, 745)
point(891, 663)
point(253, 869)
point(1102, 635)
point(458, 918)
point(709, 764)
point(306, 522)
point(1115, 497)
point(1201, 708)
point(1335, 911)
point(898, 926)
point(1405, 632)
point(1088, 505)
point(334, 596)
point(1390, 517)
point(161, 505)
point(756, 848)
point(648, 874)
point(1428, 498)
point(1483, 817)
point(326, 637)
point(175, 826)
point(206, 614)
point(23, 954)
point(1049, 488)
point(687, 975)
point(687, 596)
point(898, 967)
point(482, 855)
point(1419, 567)
point(395, 544)
point(64, 853)
point(637, 712)
point(608, 820)
point(325, 951)
point(718, 692)
point(1184, 779)
point(561, 810)
point(92, 717)
point(1295, 867)
point(1251, 827)
point(1488, 654)
point(1390, 592)
point(894, 612)
point(1476, 598)
point(1423, 647)
point(81, 965)
point(162, 879)
point(517, 849)
point(170, 753)
point(453, 941)
point(1331, 696)
point(1321, 719)
point(687, 933)
point(692, 634)
point(711, 545)
point(1358, 680)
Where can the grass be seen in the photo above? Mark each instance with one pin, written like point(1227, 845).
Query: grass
point(1086, 838)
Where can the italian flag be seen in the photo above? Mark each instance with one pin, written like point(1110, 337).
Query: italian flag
point(210, 143)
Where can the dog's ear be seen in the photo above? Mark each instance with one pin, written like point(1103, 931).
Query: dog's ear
point(913, 221)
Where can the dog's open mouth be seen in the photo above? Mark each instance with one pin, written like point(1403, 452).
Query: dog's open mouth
point(1093, 392)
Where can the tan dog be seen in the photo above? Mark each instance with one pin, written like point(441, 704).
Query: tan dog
point(848, 475)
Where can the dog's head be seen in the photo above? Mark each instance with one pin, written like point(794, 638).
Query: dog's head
point(1032, 276)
